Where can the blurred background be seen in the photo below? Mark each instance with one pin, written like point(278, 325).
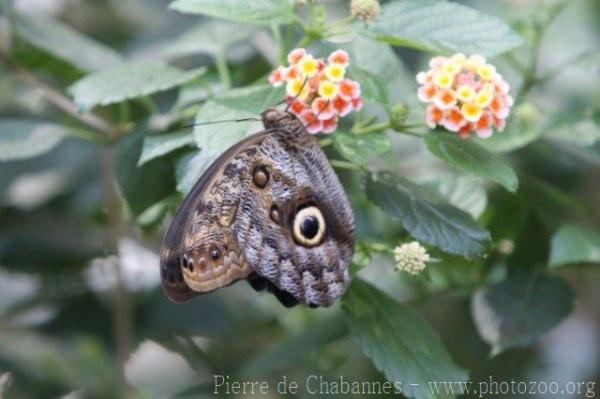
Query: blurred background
point(75, 324)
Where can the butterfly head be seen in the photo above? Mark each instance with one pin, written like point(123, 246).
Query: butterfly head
point(277, 119)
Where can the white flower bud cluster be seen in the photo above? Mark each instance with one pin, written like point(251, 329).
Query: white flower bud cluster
point(411, 258)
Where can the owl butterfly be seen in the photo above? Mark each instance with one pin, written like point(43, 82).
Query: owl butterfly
point(270, 210)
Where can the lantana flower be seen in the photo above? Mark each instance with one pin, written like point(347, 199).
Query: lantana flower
point(464, 95)
point(318, 91)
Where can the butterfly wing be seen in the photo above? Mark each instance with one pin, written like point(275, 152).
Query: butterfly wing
point(270, 209)
point(296, 230)
point(199, 252)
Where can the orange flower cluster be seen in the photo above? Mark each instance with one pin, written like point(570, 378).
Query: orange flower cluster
point(465, 95)
point(317, 91)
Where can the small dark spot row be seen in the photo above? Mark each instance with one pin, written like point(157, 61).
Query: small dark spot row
point(187, 262)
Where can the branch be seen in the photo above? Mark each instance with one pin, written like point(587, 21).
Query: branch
point(61, 101)
point(123, 316)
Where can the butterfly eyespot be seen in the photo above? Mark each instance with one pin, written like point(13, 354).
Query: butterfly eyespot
point(309, 226)
point(260, 176)
point(274, 214)
point(187, 262)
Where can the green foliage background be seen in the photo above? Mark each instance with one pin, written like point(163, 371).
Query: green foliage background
point(95, 155)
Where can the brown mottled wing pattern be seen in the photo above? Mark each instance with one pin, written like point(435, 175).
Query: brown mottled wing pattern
point(202, 224)
point(238, 222)
point(300, 175)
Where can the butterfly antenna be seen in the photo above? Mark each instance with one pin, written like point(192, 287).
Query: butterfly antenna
point(223, 121)
point(322, 109)
point(297, 95)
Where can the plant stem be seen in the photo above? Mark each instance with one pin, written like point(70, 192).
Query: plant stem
point(531, 70)
point(409, 133)
point(149, 104)
point(341, 22)
point(325, 142)
point(87, 135)
point(306, 40)
point(124, 112)
point(372, 128)
point(122, 307)
point(281, 51)
point(345, 165)
point(223, 69)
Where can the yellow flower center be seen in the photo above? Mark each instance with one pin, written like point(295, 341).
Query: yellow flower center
point(487, 71)
point(328, 90)
point(472, 112)
point(309, 66)
point(459, 58)
point(484, 98)
point(443, 80)
point(335, 72)
point(297, 88)
point(465, 93)
point(452, 68)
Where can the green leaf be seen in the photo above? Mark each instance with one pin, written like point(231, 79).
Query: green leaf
point(377, 58)
point(372, 87)
point(427, 217)
point(155, 214)
point(360, 149)
point(189, 169)
point(464, 192)
point(513, 138)
point(381, 61)
point(251, 99)
point(524, 127)
point(157, 146)
point(65, 43)
point(146, 185)
point(259, 12)
point(126, 82)
point(442, 26)
point(362, 258)
point(296, 348)
point(176, 375)
point(519, 310)
point(399, 341)
point(574, 244)
point(22, 138)
point(211, 37)
point(213, 140)
point(584, 133)
point(470, 157)
point(60, 361)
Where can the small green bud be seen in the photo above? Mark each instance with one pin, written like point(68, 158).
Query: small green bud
point(527, 114)
point(399, 113)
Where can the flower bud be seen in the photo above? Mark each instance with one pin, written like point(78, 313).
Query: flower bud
point(399, 113)
point(411, 258)
point(527, 114)
point(365, 10)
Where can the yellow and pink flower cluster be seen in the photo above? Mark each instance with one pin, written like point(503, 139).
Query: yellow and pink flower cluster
point(464, 95)
point(317, 91)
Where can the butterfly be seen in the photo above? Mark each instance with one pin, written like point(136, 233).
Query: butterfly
point(270, 210)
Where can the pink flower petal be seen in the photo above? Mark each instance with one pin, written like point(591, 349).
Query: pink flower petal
point(330, 125)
